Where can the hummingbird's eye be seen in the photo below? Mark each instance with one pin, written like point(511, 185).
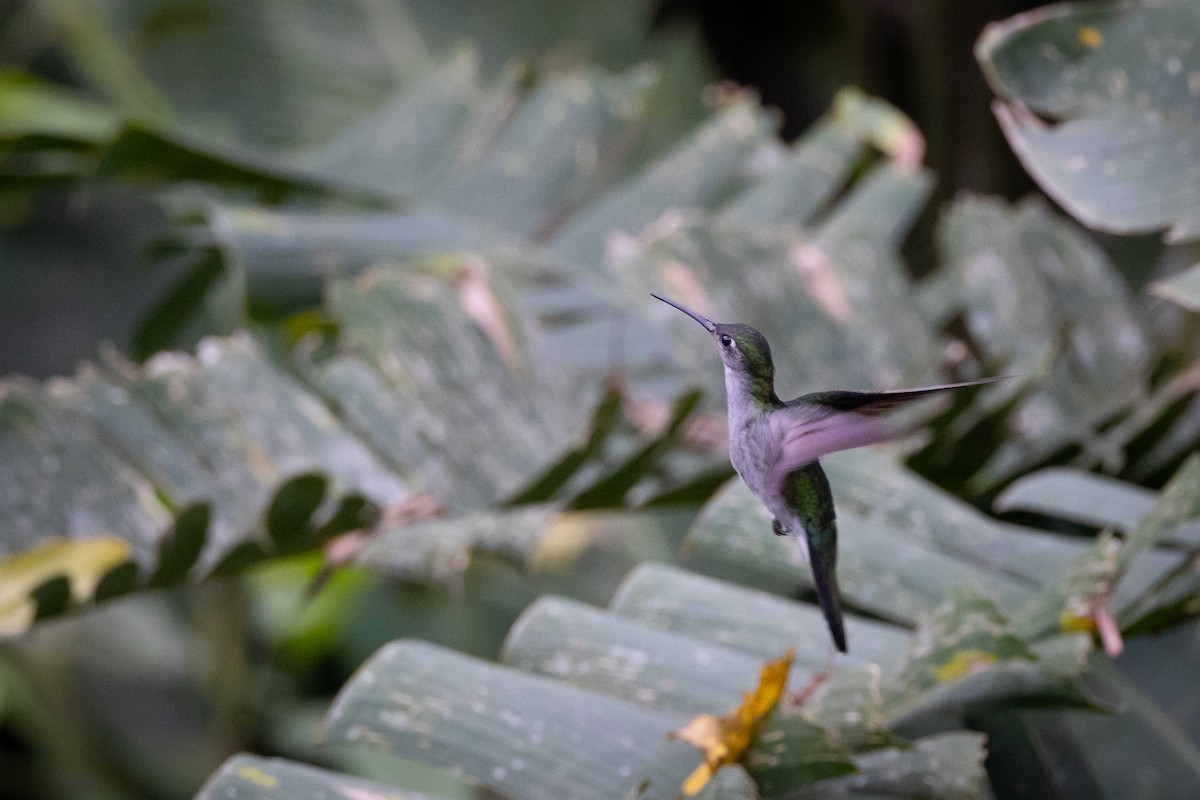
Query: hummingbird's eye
point(726, 340)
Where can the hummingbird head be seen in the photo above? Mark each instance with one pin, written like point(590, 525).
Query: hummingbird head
point(743, 349)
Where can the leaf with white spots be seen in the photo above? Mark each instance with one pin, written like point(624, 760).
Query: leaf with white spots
point(248, 777)
point(523, 735)
point(752, 621)
point(944, 767)
point(880, 567)
point(1116, 86)
point(966, 658)
point(1044, 301)
point(605, 652)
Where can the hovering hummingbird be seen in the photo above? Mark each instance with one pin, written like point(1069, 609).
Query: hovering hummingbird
point(774, 446)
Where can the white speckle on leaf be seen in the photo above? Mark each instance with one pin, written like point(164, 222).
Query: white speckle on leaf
point(499, 773)
point(394, 719)
point(209, 352)
point(1076, 163)
point(621, 247)
point(1174, 65)
point(646, 695)
point(1118, 82)
point(559, 663)
point(515, 164)
point(1049, 51)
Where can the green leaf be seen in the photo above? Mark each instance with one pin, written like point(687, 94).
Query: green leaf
point(1085, 588)
point(436, 550)
point(255, 778)
point(51, 450)
point(698, 173)
point(1078, 348)
point(945, 767)
point(848, 705)
point(158, 63)
point(1140, 732)
point(289, 517)
point(1177, 504)
point(1119, 82)
point(32, 107)
point(556, 151)
point(729, 783)
point(546, 485)
point(120, 580)
point(1182, 288)
point(880, 488)
point(967, 625)
point(288, 256)
point(967, 658)
point(51, 597)
point(760, 624)
point(880, 568)
point(613, 487)
point(510, 731)
point(791, 752)
point(167, 322)
point(182, 545)
point(1078, 496)
point(601, 651)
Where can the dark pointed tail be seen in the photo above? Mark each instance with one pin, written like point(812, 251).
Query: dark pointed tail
point(824, 570)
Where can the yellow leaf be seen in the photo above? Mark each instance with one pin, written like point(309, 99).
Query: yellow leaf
point(698, 780)
point(258, 777)
point(83, 561)
point(1090, 37)
point(722, 740)
point(964, 663)
point(567, 537)
point(1070, 622)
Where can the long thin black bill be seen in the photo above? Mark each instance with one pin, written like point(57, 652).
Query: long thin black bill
point(708, 324)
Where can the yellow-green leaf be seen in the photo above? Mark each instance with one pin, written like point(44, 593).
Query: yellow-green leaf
point(83, 561)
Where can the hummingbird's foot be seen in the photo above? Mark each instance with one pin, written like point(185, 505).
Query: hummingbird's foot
point(779, 528)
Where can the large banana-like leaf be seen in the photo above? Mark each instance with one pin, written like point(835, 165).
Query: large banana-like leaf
point(1118, 82)
point(557, 740)
point(585, 699)
point(1046, 302)
point(490, 257)
point(245, 453)
point(196, 464)
point(903, 573)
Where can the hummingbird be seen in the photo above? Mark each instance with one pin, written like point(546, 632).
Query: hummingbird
point(775, 446)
